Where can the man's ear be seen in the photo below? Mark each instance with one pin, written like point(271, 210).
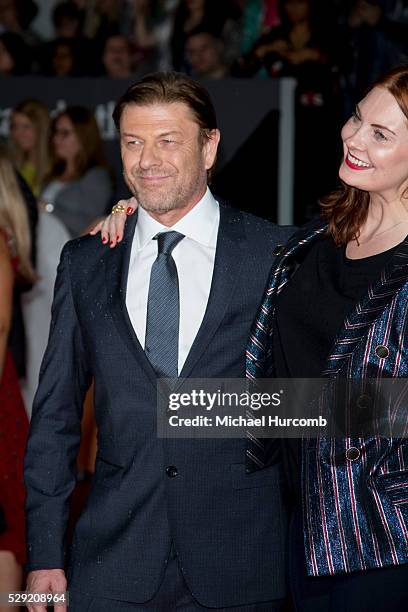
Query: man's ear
point(210, 148)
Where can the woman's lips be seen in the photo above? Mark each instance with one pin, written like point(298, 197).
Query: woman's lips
point(356, 164)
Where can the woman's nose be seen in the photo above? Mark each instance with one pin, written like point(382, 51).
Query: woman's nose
point(355, 138)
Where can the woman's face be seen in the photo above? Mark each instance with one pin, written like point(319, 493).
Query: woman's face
point(23, 132)
point(375, 145)
point(65, 141)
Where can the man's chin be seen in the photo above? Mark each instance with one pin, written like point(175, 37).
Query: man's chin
point(156, 207)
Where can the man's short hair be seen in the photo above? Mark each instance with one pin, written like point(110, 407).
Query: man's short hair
point(169, 87)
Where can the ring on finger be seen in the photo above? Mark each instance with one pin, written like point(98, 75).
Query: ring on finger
point(118, 208)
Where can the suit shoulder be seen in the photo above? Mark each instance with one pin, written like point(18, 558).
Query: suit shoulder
point(85, 248)
point(261, 228)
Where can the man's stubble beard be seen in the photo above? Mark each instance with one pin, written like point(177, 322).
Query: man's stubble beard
point(170, 200)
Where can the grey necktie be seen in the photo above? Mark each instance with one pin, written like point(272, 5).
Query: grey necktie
point(163, 309)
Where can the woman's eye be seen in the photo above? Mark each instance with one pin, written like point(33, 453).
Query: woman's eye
point(378, 135)
point(355, 118)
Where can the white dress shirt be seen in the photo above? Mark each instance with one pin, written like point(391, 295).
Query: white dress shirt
point(194, 258)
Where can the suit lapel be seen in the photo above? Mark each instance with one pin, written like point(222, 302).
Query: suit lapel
point(116, 263)
point(368, 309)
point(229, 256)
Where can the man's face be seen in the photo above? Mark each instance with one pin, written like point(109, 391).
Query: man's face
point(165, 160)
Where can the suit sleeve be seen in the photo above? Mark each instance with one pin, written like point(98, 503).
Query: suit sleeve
point(55, 431)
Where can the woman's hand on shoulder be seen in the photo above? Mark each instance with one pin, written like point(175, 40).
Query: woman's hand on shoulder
point(111, 228)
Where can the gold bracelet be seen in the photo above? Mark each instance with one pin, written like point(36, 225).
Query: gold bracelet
point(118, 208)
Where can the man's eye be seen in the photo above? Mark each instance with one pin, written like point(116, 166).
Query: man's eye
point(168, 141)
point(378, 135)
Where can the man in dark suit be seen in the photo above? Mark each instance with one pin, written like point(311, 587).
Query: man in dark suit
point(169, 523)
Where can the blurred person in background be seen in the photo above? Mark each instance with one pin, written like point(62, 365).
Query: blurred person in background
point(301, 46)
point(258, 17)
point(70, 53)
point(29, 146)
point(67, 19)
point(16, 16)
point(79, 186)
point(117, 57)
point(306, 46)
point(101, 18)
point(29, 142)
point(149, 27)
point(63, 57)
point(220, 18)
point(205, 54)
point(15, 268)
point(15, 56)
point(378, 37)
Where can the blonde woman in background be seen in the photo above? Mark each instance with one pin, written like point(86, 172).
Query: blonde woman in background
point(15, 267)
point(29, 146)
point(29, 142)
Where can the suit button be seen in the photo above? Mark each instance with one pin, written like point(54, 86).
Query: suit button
point(352, 453)
point(171, 471)
point(382, 351)
point(278, 250)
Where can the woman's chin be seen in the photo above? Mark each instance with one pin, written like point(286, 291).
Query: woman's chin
point(348, 177)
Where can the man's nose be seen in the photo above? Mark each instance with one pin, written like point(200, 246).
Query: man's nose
point(150, 156)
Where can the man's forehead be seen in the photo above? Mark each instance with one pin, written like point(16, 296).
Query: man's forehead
point(177, 114)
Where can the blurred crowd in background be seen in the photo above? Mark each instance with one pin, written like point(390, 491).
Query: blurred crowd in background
point(330, 46)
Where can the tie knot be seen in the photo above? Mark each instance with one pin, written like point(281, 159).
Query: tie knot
point(166, 241)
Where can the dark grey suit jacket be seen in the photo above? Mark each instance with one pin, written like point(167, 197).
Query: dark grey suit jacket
point(228, 527)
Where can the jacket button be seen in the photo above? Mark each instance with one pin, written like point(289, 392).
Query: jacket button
point(352, 453)
point(382, 351)
point(171, 471)
point(278, 250)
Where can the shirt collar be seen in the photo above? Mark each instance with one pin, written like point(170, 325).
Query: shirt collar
point(200, 224)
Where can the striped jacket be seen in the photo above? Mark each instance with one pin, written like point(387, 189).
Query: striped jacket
point(354, 491)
